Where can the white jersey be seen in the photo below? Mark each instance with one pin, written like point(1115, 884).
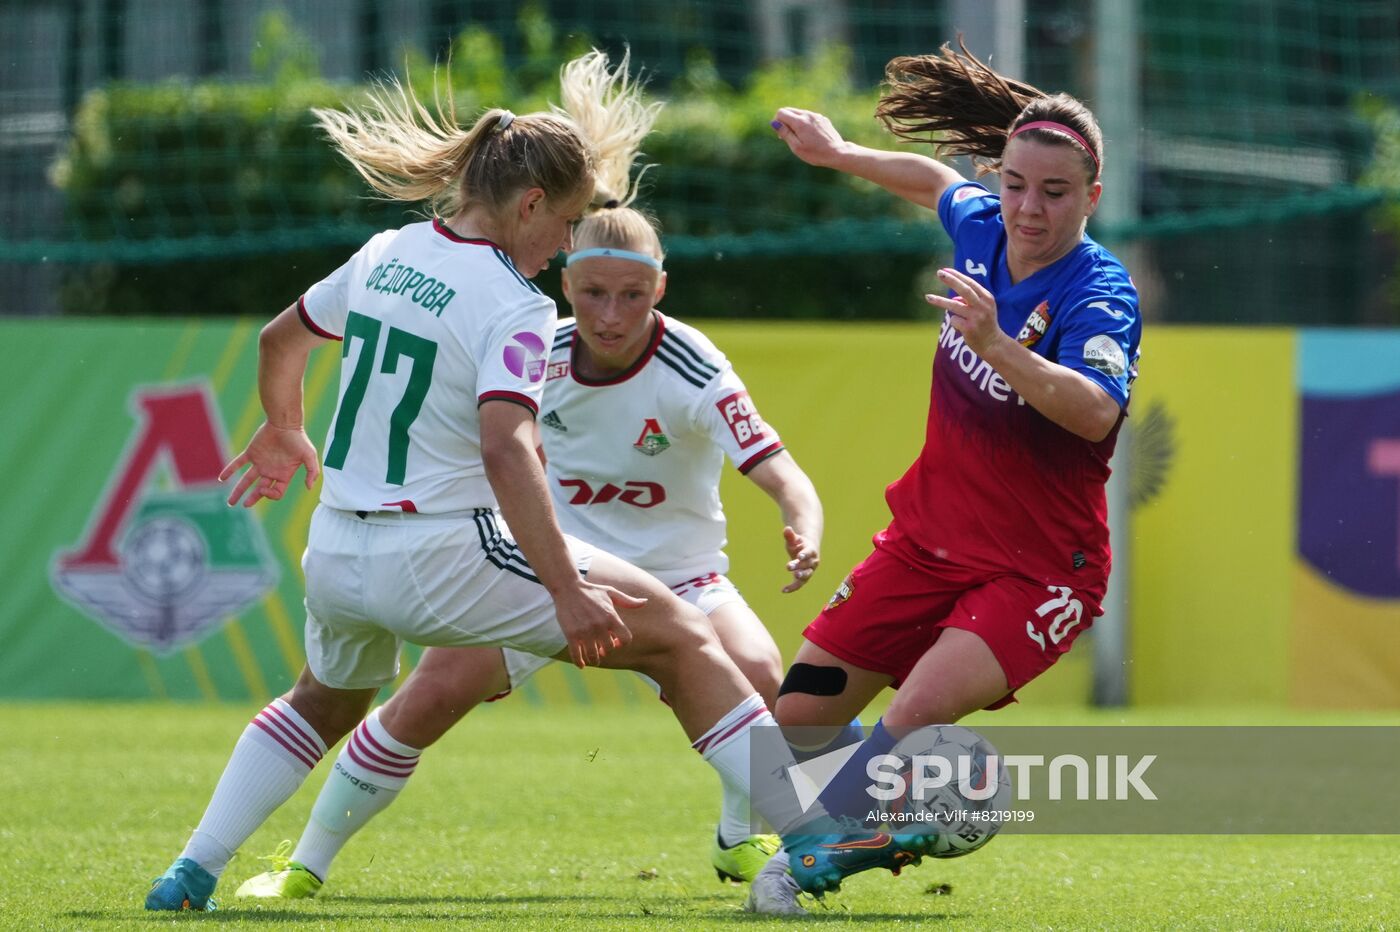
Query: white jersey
point(634, 461)
point(432, 325)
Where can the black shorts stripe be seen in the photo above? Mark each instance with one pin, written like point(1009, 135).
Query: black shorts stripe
point(499, 552)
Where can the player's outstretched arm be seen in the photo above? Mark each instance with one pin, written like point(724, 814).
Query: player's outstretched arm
point(1064, 396)
point(812, 138)
point(280, 446)
point(788, 485)
point(587, 612)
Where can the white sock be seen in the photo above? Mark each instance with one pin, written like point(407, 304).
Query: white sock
point(735, 817)
point(735, 813)
point(726, 746)
point(369, 773)
point(271, 759)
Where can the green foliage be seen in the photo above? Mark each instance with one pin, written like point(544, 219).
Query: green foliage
point(1383, 173)
point(233, 204)
point(281, 53)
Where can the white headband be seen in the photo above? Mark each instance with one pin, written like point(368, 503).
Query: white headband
point(609, 252)
point(504, 120)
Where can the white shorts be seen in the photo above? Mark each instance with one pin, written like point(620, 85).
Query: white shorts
point(706, 592)
point(377, 579)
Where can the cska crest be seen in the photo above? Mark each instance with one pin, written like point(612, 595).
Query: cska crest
point(1036, 325)
point(163, 566)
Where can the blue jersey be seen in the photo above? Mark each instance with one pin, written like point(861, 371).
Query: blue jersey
point(999, 486)
point(1081, 311)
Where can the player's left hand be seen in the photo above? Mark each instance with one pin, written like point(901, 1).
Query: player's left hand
point(973, 312)
point(805, 558)
point(273, 457)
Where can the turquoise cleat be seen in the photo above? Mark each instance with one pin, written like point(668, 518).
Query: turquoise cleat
point(185, 885)
point(820, 862)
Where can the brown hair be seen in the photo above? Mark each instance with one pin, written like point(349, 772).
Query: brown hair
point(972, 110)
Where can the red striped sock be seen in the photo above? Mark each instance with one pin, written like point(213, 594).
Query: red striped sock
point(728, 747)
point(271, 759)
point(290, 733)
point(369, 772)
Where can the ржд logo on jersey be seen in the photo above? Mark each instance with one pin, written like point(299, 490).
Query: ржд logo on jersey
point(163, 567)
point(743, 420)
point(638, 492)
point(525, 357)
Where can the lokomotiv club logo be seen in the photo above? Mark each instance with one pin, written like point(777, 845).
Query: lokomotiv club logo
point(164, 561)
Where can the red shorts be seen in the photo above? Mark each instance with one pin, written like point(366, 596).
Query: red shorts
point(892, 607)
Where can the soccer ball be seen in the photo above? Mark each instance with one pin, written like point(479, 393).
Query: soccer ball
point(956, 786)
point(163, 558)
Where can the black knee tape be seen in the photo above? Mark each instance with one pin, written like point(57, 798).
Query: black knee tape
point(814, 680)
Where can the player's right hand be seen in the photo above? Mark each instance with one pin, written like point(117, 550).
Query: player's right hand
point(273, 457)
point(588, 615)
point(810, 136)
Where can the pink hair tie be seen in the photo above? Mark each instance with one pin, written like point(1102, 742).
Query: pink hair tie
point(1059, 128)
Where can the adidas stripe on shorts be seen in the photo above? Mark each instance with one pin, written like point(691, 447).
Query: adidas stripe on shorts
point(443, 580)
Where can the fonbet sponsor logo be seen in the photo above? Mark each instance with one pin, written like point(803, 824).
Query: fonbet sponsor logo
point(164, 563)
point(978, 371)
point(1104, 354)
point(742, 418)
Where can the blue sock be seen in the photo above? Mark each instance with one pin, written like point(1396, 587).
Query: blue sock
point(845, 794)
point(850, 734)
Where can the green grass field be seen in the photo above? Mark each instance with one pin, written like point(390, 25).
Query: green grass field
point(599, 817)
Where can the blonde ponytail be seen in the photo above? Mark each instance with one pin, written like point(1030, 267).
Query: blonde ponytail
point(408, 153)
point(607, 105)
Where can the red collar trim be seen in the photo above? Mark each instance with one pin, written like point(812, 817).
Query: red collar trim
point(447, 232)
